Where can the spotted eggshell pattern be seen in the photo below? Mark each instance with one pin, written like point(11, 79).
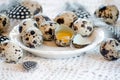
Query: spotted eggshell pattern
point(61, 43)
point(3, 39)
point(33, 6)
point(4, 23)
point(109, 13)
point(48, 30)
point(32, 37)
point(66, 18)
point(83, 27)
point(13, 53)
point(41, 19)
point(110, 49)
point(26, 24)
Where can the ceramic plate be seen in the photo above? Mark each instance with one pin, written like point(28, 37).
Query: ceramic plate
point(50, 50)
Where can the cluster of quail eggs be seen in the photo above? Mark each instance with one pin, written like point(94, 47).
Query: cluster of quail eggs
point(73, 30)
point(22, 13)
point(67, 28)
point(8, 49)
point(110, 48)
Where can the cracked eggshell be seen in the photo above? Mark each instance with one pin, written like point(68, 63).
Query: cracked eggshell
point(63, 36)
point(80, 41)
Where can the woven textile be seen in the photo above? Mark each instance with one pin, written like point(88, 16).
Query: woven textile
point(89, 66)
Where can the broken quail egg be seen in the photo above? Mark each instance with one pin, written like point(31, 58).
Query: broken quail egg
point(63, 36)
point(80, 42)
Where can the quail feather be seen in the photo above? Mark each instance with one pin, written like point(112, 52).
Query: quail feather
point(19, 12)
point(78, 9)
point(28, 65)
point(3, 39)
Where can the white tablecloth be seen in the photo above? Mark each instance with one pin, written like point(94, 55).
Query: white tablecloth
point(89, 66)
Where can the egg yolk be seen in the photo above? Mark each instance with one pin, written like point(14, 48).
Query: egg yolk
point(64, 36)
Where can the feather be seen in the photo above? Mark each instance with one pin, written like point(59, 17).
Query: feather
point(78, 9)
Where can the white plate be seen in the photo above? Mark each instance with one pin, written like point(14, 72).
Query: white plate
point(50, 50)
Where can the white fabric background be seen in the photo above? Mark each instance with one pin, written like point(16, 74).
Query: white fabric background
point(89, 66)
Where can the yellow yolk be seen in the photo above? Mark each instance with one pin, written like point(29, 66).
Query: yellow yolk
point(64, 36)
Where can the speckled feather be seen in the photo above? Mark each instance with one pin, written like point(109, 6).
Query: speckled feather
point(28, 65)
point(3, 39)
point(9, 6)
point(19, 12)
point(78, 9)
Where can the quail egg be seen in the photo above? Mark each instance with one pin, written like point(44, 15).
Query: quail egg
point(63, 36)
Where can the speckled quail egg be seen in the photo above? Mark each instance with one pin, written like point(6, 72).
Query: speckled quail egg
point(83, 27)
point(110, 49)
point(66, 18)
point(41, 19)
point(32, 37)
point(4, 23)
point(79, 42)
point(48, 30)
point(108, 14)
point(63, 36)
point(33, 6)
point(13, 53)
point(27, 23)
point(3, 39)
